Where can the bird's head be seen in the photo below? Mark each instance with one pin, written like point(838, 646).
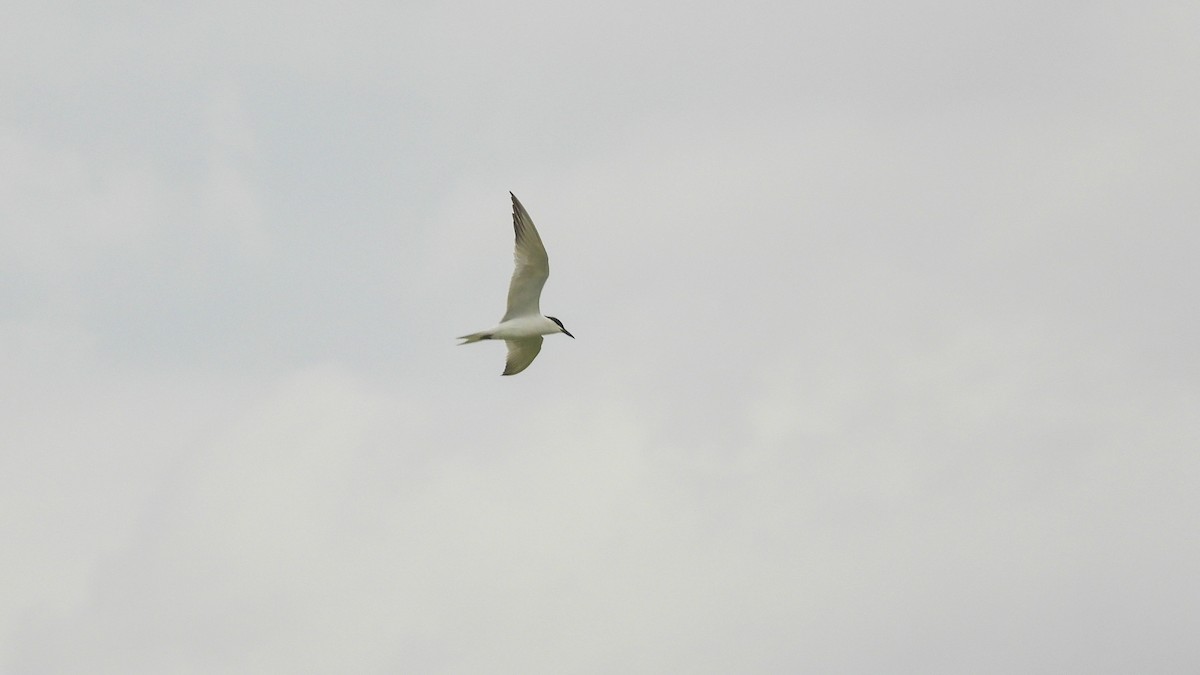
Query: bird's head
point(561, 327)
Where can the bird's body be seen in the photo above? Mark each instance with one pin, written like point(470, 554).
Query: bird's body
point(516, 329)
point(523, 324)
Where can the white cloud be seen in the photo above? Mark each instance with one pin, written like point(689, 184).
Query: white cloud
point(884, 360)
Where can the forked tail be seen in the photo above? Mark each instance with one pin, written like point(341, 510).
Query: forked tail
point(473, 337)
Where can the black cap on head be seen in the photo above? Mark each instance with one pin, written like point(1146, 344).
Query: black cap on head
point(561, 327)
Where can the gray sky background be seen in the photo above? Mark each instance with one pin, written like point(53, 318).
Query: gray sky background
point(886, 356)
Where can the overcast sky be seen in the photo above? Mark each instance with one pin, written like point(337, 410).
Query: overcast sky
point(886, 316)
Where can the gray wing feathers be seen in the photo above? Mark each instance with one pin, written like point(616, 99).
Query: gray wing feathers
point(532, 266)
point(521, 353)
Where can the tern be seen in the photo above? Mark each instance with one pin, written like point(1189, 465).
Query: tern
point(523, 324)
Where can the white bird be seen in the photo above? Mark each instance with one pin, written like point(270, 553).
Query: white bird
point(523, 325)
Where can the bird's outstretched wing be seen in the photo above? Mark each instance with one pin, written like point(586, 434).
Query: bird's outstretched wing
point(532, 268)
point(521, 353)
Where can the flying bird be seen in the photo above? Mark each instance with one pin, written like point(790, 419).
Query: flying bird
point(523, 325)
